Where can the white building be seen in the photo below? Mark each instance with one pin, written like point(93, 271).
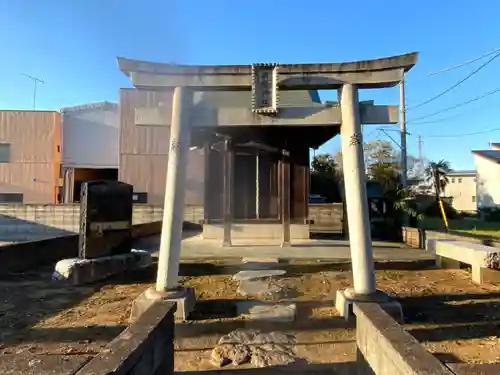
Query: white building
point(488, 176)
point(461, 188)
point(90, 145)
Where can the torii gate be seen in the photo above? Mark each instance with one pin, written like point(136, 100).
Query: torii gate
point(265, 81)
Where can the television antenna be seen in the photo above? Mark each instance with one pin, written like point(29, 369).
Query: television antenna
point(36, 81)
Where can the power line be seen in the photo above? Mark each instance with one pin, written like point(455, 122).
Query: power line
point(464, 63)
point(461, 135)
point(456, 84)
point(457, 105)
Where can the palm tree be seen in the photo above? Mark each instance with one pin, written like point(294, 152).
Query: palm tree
point(442, 168)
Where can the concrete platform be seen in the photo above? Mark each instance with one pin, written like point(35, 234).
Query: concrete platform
point(195, 247)
point(185, 299)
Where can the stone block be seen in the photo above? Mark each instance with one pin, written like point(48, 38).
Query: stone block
point(83, 271)
point(344, 304)
point(185, 299)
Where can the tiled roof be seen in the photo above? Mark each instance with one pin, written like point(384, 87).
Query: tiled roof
point(462, 173)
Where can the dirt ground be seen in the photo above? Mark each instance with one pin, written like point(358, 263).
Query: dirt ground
point(454, 318)
point(40, 316)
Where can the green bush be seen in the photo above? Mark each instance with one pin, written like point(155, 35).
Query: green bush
point(433, 210)
point(491, 214)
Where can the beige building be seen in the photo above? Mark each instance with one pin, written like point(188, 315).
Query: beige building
point(461, 188)
point(30, 156)
point(488, 173)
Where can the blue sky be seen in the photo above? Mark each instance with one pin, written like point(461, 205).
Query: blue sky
point(72, 45)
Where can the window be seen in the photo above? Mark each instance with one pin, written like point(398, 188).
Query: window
point(11, 198)
point(459, 180)
point(473, 198)
point(4, 152)
point(452, 180)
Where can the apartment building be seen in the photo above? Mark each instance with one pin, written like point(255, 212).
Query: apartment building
point(461, 188)
point(488, 176)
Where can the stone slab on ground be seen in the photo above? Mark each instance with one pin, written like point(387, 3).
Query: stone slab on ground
point(252, 275)
point(78, 271)
point(260, 349)
point(185, 299)
point(260, 289)
point(273, 313)
point(260, 260)
point(259, 263)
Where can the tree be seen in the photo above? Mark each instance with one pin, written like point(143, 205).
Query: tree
point(324, 164)
point(380, 151)
point(442, 168)
point(324, 178)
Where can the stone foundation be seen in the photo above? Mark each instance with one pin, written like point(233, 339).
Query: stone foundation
point(344, 304)
point(184, 298)
point(259, 231)
point(84, 271)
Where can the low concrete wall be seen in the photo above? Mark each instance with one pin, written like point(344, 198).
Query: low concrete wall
point(30, 222)
point(413, 237)
point(326, 217)
point(416, 237)
point(21, 256)
point(384, 347)
point(146, 347)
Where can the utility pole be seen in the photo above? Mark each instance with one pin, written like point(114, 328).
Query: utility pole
point(420, 153)
point(35, 83)
point(402, 126)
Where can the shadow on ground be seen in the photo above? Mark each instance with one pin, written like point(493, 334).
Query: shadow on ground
point(460, 316)
point(32, 297)
point(345, 368)
point(232, 266)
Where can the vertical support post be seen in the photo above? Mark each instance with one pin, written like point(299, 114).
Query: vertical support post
point(173, 210)
point(402, 124)
point(404, 152)
point(228, 191)
point(355, 192)
point(257, 185)
point(207, 183)
point(285, 197)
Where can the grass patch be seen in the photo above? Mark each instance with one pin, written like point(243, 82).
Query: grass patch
point(464, 225)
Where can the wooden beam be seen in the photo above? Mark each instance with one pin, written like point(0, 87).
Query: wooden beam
point(228, 191)
point(285, 197)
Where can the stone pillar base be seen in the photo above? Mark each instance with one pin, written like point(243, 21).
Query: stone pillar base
point(184, 298)
point(345, 299)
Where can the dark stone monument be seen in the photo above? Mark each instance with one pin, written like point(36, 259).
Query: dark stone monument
point(105, 219)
